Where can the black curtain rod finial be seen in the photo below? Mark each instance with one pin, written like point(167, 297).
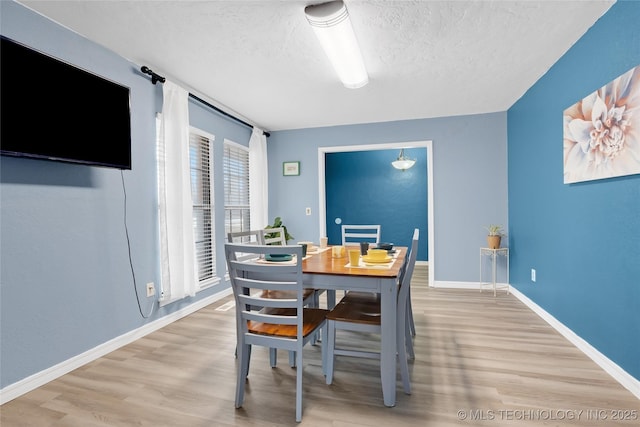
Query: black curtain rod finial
point(155, 78)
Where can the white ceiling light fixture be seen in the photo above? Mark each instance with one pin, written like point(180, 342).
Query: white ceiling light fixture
point(403, 163)
point(331, 24)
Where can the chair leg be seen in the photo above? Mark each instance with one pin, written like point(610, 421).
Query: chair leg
point(401, 334)
point(316, 304)
point(248, 362)
point(409, 343)
point(243, 371)
point(316, 299)
point(331, 346)
point(409, 339)
point(273, 358)
point(323, 349)
point(298, 384)
point(412, 325)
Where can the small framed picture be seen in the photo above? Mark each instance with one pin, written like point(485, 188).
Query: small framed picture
point(290, 168)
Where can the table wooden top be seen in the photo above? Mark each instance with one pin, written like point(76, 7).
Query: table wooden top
point(325, 263)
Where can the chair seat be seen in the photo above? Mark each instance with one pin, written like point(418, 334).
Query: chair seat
point(311, 319)
point(368, 314)
point(310, 298)
point(306, 293)
point(361, 298)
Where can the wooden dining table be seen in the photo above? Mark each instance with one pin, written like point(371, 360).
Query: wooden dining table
point(322, 271)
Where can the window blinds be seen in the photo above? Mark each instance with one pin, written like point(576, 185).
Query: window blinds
point(236, 187)
point(201, 175)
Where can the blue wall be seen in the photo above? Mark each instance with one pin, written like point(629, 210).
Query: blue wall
point(363, 188)
point(470, 180)
point(582, 239)
point(66, 283)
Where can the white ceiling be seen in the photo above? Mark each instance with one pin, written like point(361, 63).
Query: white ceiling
point(260, 60)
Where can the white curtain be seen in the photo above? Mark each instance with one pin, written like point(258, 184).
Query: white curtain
point(177, 247)
point(258, 180)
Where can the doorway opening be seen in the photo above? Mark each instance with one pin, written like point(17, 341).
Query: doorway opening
point(428, 145)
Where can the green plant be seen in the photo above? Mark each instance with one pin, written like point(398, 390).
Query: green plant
point(278, 223)
point(495, 230)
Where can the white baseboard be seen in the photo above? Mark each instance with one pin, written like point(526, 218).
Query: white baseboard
point(455, 285)
point(459, 285)
point(34, 381)
point(610, 367)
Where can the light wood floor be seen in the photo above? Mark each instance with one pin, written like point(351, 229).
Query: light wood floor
point(480, 361)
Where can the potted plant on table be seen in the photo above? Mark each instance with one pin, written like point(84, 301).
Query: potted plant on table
point(495, 236)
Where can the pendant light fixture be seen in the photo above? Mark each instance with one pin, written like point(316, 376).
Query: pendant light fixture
point(403, 163)
point(331, 24)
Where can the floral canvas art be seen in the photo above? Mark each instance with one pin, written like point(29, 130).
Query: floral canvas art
point(602, 132)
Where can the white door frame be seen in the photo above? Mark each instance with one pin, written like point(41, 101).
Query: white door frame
point(384, 146)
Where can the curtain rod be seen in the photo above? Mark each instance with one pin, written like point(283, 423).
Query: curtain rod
point(155, 78)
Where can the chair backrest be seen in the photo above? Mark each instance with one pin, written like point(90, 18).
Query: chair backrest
point(249, 237)
point(354, 234)
point(274, 236)
point(407, 272)
point(252, 237)
point(249, 276)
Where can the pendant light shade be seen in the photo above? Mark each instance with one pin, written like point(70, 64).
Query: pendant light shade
point(403, 163)
point(331, 24)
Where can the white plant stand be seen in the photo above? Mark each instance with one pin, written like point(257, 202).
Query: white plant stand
point(494, 254)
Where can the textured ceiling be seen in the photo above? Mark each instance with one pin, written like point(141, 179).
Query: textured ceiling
point(260, 60)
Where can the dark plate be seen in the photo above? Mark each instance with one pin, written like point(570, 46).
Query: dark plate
point(387, 246)
point(278, 257)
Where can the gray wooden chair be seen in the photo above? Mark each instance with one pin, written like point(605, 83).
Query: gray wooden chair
point(277, 236)
point(249, 237)
point(274, 236)
point(257, 237)
point(361, 312)
point(271, 322)
point(354, 234)
point(367, 298)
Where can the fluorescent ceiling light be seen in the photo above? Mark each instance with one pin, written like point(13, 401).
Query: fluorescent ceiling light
point(331, 24)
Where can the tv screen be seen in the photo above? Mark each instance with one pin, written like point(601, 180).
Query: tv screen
point(52, 110)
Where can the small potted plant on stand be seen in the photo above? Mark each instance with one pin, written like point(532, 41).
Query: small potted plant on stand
point(495, 236)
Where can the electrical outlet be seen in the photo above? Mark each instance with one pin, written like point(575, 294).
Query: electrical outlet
point(307, 211)
point(533, 274)
point(151, 289)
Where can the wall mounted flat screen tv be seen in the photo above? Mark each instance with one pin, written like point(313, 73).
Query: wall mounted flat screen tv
point(55, 111)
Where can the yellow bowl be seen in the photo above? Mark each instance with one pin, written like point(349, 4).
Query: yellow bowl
point(377, 253)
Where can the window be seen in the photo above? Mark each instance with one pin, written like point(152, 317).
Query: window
point(236, 187)
point(201, 166)
point(177, 179)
